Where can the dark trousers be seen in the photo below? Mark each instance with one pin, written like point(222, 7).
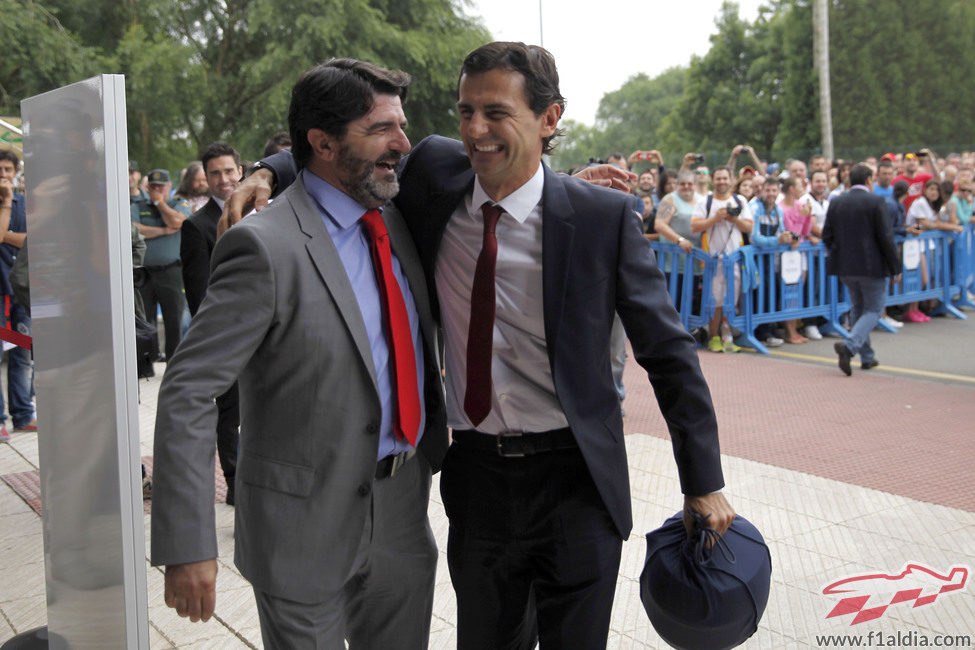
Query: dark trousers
point(532, 550)
point(228, 433)
point(387, 601)
point(164, 287)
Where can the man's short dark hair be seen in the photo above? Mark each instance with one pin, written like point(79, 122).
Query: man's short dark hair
point(216, 150)
point(9, 154)
point(334, 93)
point(885, 164)
point(277, 142)
point(860, 174)
point(536, 65)
point(900, 189)
point(720, 168)
point(819, 171)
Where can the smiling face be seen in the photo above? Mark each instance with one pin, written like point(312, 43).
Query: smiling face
point(8, 171)
point(362, 163)
point(222, 175)
point(501, 134)
point(722, 182)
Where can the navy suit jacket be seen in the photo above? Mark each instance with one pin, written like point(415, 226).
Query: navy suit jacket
point(859, 237)
point(595, 263)
point(198, 235)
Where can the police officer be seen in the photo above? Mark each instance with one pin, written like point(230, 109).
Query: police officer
point(159, 218)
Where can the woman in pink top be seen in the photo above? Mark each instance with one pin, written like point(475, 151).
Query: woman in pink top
point(798, 219)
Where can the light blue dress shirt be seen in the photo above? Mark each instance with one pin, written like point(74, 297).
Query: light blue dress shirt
point(342, 220)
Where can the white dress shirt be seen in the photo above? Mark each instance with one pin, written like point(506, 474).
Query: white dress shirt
point(523, 392)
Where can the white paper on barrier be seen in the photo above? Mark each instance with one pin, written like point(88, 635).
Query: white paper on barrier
point(912, 254)
point(791, 267)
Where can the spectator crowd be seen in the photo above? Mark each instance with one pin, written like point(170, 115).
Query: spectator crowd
point(752, 201)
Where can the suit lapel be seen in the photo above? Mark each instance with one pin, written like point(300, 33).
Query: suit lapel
point(557, 235)
point(405, 251)
point(326, 259)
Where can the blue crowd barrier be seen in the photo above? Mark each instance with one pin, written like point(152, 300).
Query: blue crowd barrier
point(686, 274)
point(937, 248)
point(766, 297)
point(964, 267)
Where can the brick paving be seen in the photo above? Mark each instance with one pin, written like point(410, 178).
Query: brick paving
point(912, 437)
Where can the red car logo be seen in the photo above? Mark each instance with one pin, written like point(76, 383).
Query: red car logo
point(869, 596)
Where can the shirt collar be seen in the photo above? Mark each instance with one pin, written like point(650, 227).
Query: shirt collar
point(218, 201)
point(860, 187)
point(520, 203)
point(342, 209)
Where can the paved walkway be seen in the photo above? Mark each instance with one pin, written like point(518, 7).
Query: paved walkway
point(844, 476)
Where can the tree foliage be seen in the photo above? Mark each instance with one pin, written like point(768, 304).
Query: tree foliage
point(199, 70)
point(39, 54)
point(898, 72)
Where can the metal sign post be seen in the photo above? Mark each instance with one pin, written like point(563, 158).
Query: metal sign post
point(75, 154)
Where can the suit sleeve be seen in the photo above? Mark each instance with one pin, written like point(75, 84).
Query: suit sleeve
point(828, 237)
point(230, 326)
point(667, 352)
point(285, 170)
point(195, 257)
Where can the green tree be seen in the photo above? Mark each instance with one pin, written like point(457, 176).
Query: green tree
point(731, 92)
point(38, 54)
point(199, 71)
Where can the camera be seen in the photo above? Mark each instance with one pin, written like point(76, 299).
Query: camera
point(698, 158)
point(733, 210)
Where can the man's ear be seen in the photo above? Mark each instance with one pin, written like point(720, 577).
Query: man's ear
point(550, 120)
point(323, 145)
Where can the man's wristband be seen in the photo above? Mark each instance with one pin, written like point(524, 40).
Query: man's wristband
point(6, 205)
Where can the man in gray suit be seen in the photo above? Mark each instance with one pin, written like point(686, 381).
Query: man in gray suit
point(336, 545)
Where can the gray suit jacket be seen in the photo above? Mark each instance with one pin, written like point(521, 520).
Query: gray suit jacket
point(280, 313)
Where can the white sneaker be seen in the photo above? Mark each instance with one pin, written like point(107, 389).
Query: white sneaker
point(773, 342)
point(812, 332)
point(893, 322)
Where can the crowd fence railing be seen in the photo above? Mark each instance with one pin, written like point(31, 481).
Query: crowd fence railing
point(781, 283)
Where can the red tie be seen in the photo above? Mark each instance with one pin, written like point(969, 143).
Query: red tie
point(398, 334)
point(480, 333)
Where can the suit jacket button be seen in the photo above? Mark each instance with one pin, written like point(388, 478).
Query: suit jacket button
point(364, 489)
point(372, 427)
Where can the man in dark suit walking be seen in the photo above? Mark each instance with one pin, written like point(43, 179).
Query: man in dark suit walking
point(862, 253)
point(221, 164)
point(529, 268)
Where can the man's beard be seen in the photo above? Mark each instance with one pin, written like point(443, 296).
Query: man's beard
point(361, 181)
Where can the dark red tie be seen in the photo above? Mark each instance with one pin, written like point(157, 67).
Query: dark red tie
point(397, 321)
point(480, 333)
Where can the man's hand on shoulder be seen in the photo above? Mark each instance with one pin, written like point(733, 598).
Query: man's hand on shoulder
point(191, 589)
point(714, 506)
point(607, 176)
point(251, 194)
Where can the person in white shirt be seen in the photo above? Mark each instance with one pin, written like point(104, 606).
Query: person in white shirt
point(723, 217)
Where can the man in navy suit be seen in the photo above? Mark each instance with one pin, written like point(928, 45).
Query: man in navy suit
point(535, 483)
point(198, 235)
point(862, 253)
